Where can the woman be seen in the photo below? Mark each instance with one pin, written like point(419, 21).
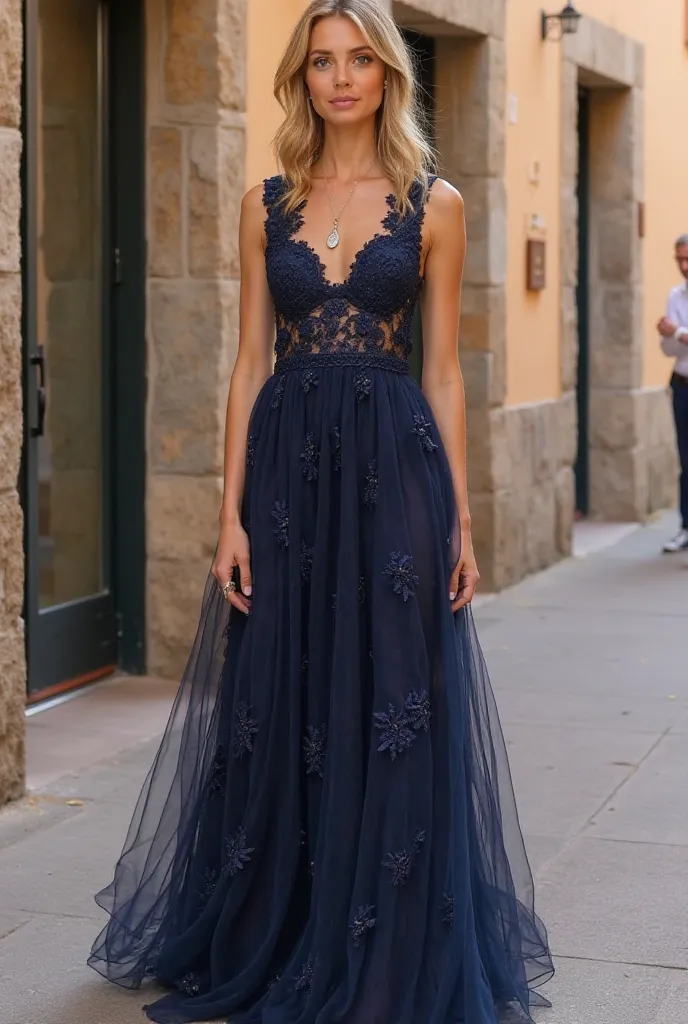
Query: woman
point(328, 831)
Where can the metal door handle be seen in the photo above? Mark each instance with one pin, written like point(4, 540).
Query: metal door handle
point(41, 392)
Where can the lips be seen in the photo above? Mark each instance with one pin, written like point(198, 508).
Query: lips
point(343, 102)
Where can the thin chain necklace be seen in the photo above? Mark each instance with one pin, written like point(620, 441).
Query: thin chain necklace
point(333, 237)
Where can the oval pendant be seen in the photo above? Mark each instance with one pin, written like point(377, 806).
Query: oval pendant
point(333, 239)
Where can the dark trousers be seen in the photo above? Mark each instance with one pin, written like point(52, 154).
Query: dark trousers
point(680, 391)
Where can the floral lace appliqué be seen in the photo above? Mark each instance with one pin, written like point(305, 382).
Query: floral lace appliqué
point(362, 386)
point(190, 984)
point(423, 431)
point(447, 909)
point(237, 853)
point(207, 884)
point(371, 482)
point(362, 923)
point(306, 562)
point(396, 734)
point(278, 394)
point(310, 456)
point(250, 450)
point(305, 976)
point(336, 448)
point(401, 863)
point(401, 572)
point(314, 750)
point(309, 379)
point(217, 775)
point(244, 731)
point(281, 514)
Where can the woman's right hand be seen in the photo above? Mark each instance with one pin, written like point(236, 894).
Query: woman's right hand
point(233, 548)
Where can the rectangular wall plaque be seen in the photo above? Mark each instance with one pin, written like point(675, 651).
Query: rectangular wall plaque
point(535, 264)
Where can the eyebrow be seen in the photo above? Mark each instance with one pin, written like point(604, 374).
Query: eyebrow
point(328, 53)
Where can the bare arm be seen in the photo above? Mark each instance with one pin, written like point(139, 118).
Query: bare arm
point(252, 368)
point(442, 379)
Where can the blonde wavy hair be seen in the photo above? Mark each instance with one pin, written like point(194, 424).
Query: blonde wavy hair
point(402, 146)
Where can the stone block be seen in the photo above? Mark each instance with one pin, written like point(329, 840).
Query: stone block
point(618, 485)
point(12, 697)
point(541, 526)
point(614, 420)
point(205, 53)
point(615, 243)
point(193, 329)
point(11, 426)
point(565, 499)
point(216, 176)
point(11, 559)
point(165, 202)
point(484, 380)
point(471, 94)
point(483, 320)
point(603, 52)
point(485, 204)
point(616, 338)
point(10, 199)
point(174, 595)
point(568, 245)
point(489, 465)
point(231, 56)
point(182, 515)
point(569, 123)
point(10, 63)
point(567, 429)
point(569, 339)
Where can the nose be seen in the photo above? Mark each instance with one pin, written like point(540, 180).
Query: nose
point(342, 79)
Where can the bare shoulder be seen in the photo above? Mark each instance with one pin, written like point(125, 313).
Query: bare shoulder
point(444, 211)
point(252, 201)
point(445, 200)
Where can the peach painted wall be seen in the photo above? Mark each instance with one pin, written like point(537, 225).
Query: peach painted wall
point(269, 26)
point(533, 76)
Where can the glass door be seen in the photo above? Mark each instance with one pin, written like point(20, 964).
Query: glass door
point(70, 612)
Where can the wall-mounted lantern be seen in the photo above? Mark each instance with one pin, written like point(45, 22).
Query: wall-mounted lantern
point(556, 26)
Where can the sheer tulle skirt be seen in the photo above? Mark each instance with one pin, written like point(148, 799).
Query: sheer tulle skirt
point(328, 832)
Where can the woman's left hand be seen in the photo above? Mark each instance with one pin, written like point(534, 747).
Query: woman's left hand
point(465, 577)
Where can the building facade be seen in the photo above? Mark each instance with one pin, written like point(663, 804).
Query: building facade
point(129, 131)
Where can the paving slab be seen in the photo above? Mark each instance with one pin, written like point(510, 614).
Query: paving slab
point(562, 776)
point(652, 805)
point(625, 902)
point(590, 992)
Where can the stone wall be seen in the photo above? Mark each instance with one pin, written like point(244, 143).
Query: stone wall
point(196, 126)
point(12, 663)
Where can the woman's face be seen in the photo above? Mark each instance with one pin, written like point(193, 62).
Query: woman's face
point(343, 74)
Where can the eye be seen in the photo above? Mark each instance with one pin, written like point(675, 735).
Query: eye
point(320, 62)
point(365, 58)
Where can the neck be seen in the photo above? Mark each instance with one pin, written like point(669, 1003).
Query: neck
point(348, 153)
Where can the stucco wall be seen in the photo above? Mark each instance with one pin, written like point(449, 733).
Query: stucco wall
point(12, 665)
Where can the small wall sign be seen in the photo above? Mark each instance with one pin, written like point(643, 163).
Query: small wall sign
point(535, 264)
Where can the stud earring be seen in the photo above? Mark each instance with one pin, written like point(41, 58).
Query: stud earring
point(385, 84)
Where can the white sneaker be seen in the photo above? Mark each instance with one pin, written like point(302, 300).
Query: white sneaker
point(679, 543)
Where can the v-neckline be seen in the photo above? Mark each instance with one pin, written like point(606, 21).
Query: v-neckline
point(390, 200)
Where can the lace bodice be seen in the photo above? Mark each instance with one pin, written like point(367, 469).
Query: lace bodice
point(371, 312)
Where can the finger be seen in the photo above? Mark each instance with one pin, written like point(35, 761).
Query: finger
point(238, 601)
point(245, 580)
point(467, 588)
point(222, 571)
point(454, 582)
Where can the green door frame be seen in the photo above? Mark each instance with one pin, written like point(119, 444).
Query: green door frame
point(582, 468)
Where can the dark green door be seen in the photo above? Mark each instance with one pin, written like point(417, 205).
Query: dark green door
point(72, 273)
point(582, 301)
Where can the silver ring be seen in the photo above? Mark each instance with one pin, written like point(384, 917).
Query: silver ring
point(229, 588)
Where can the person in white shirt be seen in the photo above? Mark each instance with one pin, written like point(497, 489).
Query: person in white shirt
point(673, 328)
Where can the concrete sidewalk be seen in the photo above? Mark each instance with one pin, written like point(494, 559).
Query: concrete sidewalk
point(590, 668)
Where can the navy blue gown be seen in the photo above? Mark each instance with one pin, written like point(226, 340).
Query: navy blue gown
point(328, 833)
